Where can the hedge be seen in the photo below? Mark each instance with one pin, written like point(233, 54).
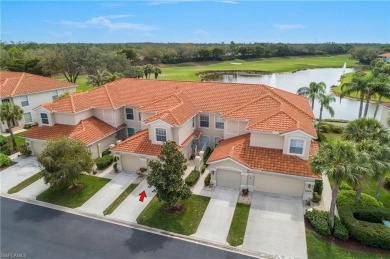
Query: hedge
point(347, 198)
point(207, 154)
point(207, 180)
point(4, 160)
point(345, 186)
point(318, 186)
point(368, 233)
point(192, 178)
point(387, 180)
point(104, 161)
point(319, 220)
point(202, 168)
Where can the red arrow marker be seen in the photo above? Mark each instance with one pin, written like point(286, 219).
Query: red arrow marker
point(142, 196)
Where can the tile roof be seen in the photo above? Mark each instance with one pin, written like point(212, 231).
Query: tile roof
point(387, 55)
point(87, 131)
point(265, 159)
point(195, 134)
point(176, 101)
point(139, 143)
point(20, 83)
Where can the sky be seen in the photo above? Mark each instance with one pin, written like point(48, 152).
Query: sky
point(195, 21)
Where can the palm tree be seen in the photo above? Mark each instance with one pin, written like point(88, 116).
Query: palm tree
point(380, 160)
point(148, 69)
point(356, 85)
point(313, 91)
point(10, 112)
point(157, 71)
point(364, 129)
point(325, 100)
point(382, 88)
point(340, 161)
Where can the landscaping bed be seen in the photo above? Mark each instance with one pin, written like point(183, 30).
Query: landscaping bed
point(92, 185)
point(25, 183)
point(185, 222)
point(238, 226)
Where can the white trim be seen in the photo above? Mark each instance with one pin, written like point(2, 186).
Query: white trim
point(139, 155)
point(229, 159)
point(208, 115)
point(284, 175)
point(20, 99)
point(298, 131)
point(159, 120)
point(40, 119)
point(75, 86)
point(160, 129)
point(220, 117)
point(303, 148)
point(133, 119)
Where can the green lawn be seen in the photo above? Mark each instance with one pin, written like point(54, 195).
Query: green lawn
point(19, 140)
point(318, 248)
point(25, 183)
point(187, 71)
point(185, 222)
point(110, 209)
point(81, 82)
point(370, 187)
point(333, 136)
point(238, 226)
point(92, 184)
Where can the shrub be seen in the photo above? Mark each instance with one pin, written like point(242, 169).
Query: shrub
point(245, 191)
point(106, 152)
point(345, 186)
point(322, 137)
point(25, 151)
point(207, 154)
point(373, 216)
point(27, 126)
point(325, 128)
point(387, 180)
point(104, 161)
point(4, 160)
point(207, 180)
point(6, 150)
point(337, 129)
point(371, 234)
point(316, 197)
point(347, 198)
point(202, 168)
point(3, 140)
point(192, 178)
point(340, 231)
point(318, 186)
point(318, 219)
point(115, 166)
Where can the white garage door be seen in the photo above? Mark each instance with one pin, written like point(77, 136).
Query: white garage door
point(130, 163)
point(37, 147)
point(227, 178)
point(279, 184)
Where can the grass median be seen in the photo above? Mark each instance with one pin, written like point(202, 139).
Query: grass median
point(110, 209)
point(25, 183)
point(238, 226)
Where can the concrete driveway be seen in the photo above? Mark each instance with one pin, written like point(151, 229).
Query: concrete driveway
point(276, 226)
point(11, 176)
point(218, 216)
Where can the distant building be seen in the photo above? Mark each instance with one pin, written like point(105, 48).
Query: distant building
point(385, 56)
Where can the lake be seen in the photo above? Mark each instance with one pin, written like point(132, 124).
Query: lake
point(346, 109)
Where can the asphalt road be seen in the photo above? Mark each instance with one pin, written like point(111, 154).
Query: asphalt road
point(37, 232)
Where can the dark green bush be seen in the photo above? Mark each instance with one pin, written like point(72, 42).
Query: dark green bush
point(3, 140)
point(104, 161)
point(316, 197)
point(27, 126)
point(322, 137)
point(207, 154)
point(373, 216)
point(6, 150)
point(371, 234)
point(4, 160)
point(387, 180)
point(25, 151)
point(340, 231)
point(347, 198)
point(318, 186)
point(192, 178)
point(337, 129)
point(325, 128)
point(106, 152)
point(318, 219)
point(202, 168)
point(207, 180)
point(345, 186)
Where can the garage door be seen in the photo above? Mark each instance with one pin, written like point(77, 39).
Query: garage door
point(279, 184)
point(227, 178)
point(37, 147)
point(130, 163)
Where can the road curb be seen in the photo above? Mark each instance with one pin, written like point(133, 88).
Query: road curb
point(165, 233)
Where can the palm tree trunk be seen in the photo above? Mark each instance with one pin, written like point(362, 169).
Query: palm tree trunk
point(319, 120)
point(359, 189)
point(312, 103)
point(377, 105)
point(335, 191)
point(12, 134)
point(361, 105)
point(380, 184)
point(367, 104)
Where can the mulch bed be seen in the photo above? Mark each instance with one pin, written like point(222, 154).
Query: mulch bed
point(75, 188)
point(349, 244)
point(174, 209)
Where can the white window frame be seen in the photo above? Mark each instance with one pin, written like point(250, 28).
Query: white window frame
point(22, 101)
point(161, 135)
point(40, 117)
point(132, 113)
point(217, 140)
point(200, 120)
point(54, 94)
point(25, 121)
point(303, 146)
point(218, 119)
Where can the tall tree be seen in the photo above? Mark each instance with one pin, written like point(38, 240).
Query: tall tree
point(357, 85)
point(148, 69)
point(381, 87)
point(313, 91)
point(10, 112)
point(103, 77)
point(157, 71)
point(166, 175)
point(325, 100)
point(64, 161)
point(340, 161)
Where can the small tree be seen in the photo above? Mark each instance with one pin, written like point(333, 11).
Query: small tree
point(8, 113)
point(166, 176)
point(64, 161)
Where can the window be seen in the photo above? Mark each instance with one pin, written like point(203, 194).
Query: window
point(161, 135)
point(24, 100)
point(54, 94)
point(204, 121)
point(139, 116)
point(130, 132)
point(217, 140)
point(193, 122)
point(219, 124)
point(129, 114)
point(296, 146)
point(44, 118)
point(5, 100)
point(27, 117)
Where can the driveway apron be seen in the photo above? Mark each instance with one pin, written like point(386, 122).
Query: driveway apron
point(34, 189)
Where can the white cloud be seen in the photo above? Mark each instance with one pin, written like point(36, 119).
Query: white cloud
point(200, 32)
point(60, 34)
point(104, 22)
point(159, 2)
point(289, 26)
point(227, 2)
point(113, 5)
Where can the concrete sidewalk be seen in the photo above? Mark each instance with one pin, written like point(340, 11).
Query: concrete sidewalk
point(218, 216)
point(131, 207)
point(25, 168)
point(34, 189)
point(105, 196)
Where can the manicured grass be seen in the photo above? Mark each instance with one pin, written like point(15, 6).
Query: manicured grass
point(370, 187)
point(110, 209)
point(238, 226)
point(318, 248)
point(25, 183)
point(62, 197)
point(185, 222)
point(287, 64)
point(81, 82)
point(19, 140)
point(333, 136)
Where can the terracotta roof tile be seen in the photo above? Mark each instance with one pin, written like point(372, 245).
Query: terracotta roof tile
point(87, 131)
point(386, 55)
point(139, 143)
point(20, 83)
point(265, 159)
point(193, 135)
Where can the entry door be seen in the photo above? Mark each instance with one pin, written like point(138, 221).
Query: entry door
point(204, 140)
